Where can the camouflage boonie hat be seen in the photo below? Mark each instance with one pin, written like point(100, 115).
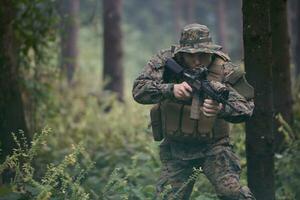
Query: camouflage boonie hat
point(195, 38)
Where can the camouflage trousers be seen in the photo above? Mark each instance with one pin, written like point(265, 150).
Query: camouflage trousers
point(222, 169)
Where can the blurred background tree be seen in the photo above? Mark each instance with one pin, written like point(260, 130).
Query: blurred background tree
point(12, 117)
point(113, 49)
point(297, 40)
point(69, 29)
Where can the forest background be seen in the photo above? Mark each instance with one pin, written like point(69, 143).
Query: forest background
point(67, 69)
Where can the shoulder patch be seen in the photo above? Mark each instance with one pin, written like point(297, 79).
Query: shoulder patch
point(244, 88)
point(235, 75)
point(232, 72)
point(236, 78)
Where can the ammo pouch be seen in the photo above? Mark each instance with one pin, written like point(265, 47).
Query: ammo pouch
point(177, 125)
point(156, 122)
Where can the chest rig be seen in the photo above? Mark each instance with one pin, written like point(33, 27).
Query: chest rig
point(175, 116)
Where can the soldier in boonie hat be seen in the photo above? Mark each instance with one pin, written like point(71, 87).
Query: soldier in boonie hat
point(189, 144)
point(195, 38)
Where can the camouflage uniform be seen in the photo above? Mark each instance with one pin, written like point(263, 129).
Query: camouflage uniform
point(214, 156)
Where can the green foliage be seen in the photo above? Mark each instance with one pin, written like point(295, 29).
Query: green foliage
point(35, 26)
point(116, 158)
point(115, 139)
point(287, 170)
point(60, 181)
point(287, 163)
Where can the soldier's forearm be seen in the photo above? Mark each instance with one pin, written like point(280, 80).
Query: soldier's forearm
point(239, 103)
point(152, 92)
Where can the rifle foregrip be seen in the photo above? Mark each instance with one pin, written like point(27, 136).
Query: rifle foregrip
point(195, 108)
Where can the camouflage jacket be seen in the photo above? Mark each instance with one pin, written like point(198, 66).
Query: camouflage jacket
point(150, 87)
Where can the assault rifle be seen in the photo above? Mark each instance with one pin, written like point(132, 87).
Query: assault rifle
point(197, 79)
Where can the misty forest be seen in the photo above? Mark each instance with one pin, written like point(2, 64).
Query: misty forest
point(69, 127)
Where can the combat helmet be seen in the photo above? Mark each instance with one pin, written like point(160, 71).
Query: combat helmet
point(195, 38)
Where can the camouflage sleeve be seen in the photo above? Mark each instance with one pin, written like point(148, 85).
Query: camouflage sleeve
point(244, 105)
point(149, 87)
point(245, 108)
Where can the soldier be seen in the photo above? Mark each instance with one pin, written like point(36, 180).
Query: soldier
point(189, 143)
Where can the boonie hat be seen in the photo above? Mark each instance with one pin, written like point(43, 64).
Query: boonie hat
point(195, 38)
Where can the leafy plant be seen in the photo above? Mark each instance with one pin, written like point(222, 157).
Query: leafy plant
point(60, 181)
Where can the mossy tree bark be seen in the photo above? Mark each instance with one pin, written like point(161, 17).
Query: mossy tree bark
point(259, 129)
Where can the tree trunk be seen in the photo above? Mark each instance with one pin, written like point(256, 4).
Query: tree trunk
point(177, 16)
point(113, 53)
point(240, 25)
point(259, 129)
point(12, 118)
point(292, 24)
point(69, 37)
point(190, 11)
point(221, 23)
point(297, 40)
point(281, 66)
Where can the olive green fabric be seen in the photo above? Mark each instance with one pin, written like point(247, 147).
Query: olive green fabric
point(177, 124)
point(238, 81)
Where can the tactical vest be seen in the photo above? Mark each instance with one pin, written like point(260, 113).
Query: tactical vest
point(176, 122)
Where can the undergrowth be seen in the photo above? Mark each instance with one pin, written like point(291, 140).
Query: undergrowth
point(102, 149)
